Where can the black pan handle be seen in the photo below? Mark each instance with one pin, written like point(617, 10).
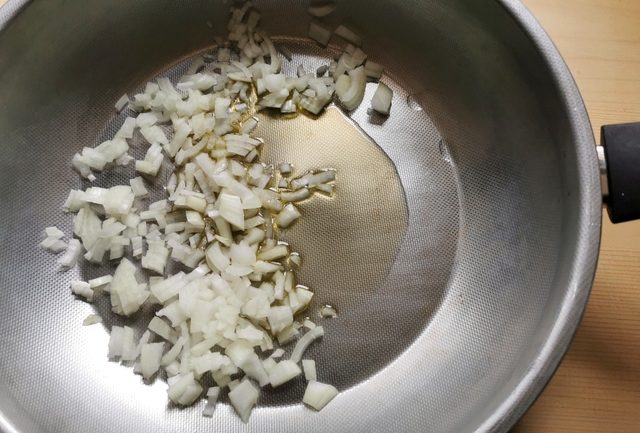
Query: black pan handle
point(621, 153)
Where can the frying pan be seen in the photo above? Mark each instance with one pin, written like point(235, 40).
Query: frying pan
point(459, 250)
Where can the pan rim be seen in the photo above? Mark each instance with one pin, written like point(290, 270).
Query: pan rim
point(588, 225)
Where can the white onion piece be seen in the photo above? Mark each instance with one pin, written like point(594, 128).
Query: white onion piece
point(71, 255)
point(309, 368)
point(100, 282)
point(121, 103)
point(381, 101)
point(183, 389)
point(53, 232)
point(319, 33)
point(317, 395)
point(82, 289)
point(304, 342)
point(243, 398)
point(283, 372)
point(287, 216)
point(53, 245)
point(212, 398)
point(321, 9)
point(91, 319)
point(347, 34)
point(150, 355)
point(278, 353)
point(352, 97)
point(373, 70)
point(161, 328)
point(231, 210)
point(279, 318)
point(295, 196)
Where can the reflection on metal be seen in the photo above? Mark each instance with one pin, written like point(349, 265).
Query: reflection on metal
point(602, 163)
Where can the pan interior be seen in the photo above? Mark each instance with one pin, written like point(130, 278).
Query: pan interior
point(443, 249)
point(359, 247)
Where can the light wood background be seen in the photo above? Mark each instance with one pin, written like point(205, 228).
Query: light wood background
point(597, 388)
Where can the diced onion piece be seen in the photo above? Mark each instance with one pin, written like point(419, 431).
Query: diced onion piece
point(150, 355)
point(212, 398)
point(243, 398)
point(279, 318)
point(321, 9)
point(295, 196)
point(138, 188)
point(381, 101)
point(91, 319)
point(349, 35)
point(319, 33)
point(304, 342)
point(71, 255)
point(99, 282)
point(278, 353)
point(54, 245)
point(183, 389)
point(283, 372)
point(231, 210)
point(53, 232)
point(243, 356)
point(287, 216)
point(82, 289)
point(285, 168)
point(317, 395)
point(373, 70)
point(121, 103)
point(353, 95)
point(309, 368)
point(161, 328)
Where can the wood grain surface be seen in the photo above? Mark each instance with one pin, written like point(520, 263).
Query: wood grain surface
point(597, 388)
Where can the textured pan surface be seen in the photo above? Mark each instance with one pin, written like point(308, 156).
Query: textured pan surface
point(459, 250)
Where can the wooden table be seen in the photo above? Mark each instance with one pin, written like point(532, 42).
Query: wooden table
point(597, 388)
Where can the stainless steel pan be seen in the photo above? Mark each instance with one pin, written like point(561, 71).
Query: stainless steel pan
point(460, 249)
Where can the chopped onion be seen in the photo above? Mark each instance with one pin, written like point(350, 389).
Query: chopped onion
point(279, 318)
point(243, 398)
point(318, 395)
point(212, 398)
point(278, 353)
point(381, 101)
point(121, 103)
point(352, 96)
point(319, 33)
point(150, 355)
point(183, 389)
point(287, 216)
point(71, 255)
point(91, 319)
point(295, 196)
point(309, 367)
point(283, 372)
point(373, 70)
point(321, 9)
point(220, 216)
point(138, 188)
point(82, 289)
point(349, 35)
point(304, 342)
